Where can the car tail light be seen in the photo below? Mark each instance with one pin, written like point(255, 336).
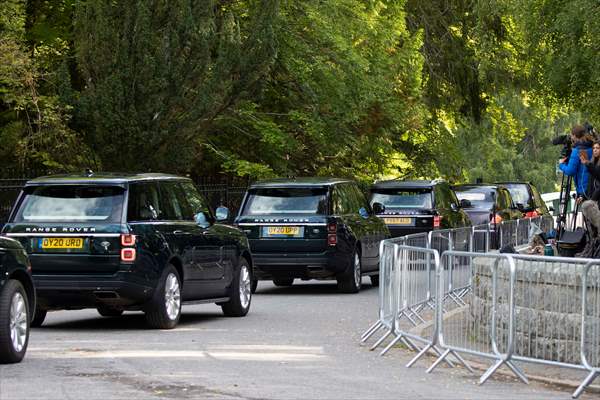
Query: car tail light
point(332, 239)
point(437, 221)
point(127, 240)
point(332, 227)
point(128, 254)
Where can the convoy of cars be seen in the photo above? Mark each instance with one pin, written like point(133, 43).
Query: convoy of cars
point(149, 242)
point(418, 206)
point(487, 203)
point(312, 228)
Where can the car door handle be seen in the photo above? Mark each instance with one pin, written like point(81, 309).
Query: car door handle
point(179, 232)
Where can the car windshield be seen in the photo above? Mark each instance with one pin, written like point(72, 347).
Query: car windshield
point(479, 197)
point(402, 198)
point(520, 194)
point(71, 203)
point(286, 201)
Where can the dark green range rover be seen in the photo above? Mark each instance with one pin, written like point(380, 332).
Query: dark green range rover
point(312, 228)
point(129, 242)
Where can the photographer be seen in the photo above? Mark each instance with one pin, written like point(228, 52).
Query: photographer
point(582, 142)
point(589, 208)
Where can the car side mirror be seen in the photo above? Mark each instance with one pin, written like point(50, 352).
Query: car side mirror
point(202, 220)
point(222, 213)
point(363, 212)
point(465, 203)
point(454, 206)
point(378, 208)
point(520, 207)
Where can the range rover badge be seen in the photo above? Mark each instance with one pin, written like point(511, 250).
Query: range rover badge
point(105, 244)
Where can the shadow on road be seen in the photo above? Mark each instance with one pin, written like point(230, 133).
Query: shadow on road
point(300, 289)
point(129, 321)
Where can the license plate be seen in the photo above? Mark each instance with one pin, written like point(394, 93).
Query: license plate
point(283, 231)
point(61, 243)
point(398, 221)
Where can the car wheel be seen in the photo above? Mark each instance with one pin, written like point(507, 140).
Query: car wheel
point(14, 322)
point(108, 311)
point(283, 282)
point(254, 285)
point(240, 295)
point(351, 280)
point(374, 280)
point(38, 317)
point(164, 309)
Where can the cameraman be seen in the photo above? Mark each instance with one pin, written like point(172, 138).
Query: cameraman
point(582, 142)
point(589, 208)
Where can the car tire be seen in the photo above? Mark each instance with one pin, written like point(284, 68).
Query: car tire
point(38, 318)
point(108, 311)
point(351, 280)
point(374, 280)
point(164, 309)
point(240, 294)
point(254, 285)
point(14, 322)
point(283, 282)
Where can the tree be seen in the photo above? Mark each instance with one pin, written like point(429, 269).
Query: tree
point(157, 73)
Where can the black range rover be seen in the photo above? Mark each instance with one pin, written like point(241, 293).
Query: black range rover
point(312, 228)
point(129, 242)
point(418, 206)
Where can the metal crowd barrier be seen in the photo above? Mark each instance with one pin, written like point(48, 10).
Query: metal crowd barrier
point(501, 307)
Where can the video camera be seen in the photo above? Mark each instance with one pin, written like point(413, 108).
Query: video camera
point(565, 140)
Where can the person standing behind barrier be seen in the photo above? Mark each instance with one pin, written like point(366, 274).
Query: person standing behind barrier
point(589, 207)
point(581, 141)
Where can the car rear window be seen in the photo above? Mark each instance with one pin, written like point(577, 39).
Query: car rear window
point(286, 201)
point(71, 203)
point(402, 198)
point(520, 194)
point(479, 197)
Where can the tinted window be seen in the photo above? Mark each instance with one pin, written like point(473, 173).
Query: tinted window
point(286, 201)
point(479, 197)
point(144, 202)
point(346, 201)
point(444, 197)
point(197, 205)
point(520, 194)
point(174, 204)
point(538, 200)
point(71, 203)
point(402, 198)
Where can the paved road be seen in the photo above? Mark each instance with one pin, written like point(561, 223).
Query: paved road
point(296, 343)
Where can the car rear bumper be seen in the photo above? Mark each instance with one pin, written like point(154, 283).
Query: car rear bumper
point(397, 231)
point(85, 291)
point(306, 265)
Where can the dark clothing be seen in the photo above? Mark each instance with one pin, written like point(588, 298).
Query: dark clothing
point(576, 169)
point(593, 186)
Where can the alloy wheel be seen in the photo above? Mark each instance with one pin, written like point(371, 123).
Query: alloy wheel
point(245, 286)
point(18, 322)
point(172, 296)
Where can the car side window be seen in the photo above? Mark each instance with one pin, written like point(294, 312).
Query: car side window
point(442, 197)
point(173, 202)
point(339, 200)
point(196, 203)
point(144, 204)
point(361, 200)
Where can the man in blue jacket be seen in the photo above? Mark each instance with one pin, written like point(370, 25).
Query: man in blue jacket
point(582, 142)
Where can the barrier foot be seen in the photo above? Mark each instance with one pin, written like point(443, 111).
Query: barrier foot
point(490, 372)
point(518, 372)
point(586, 382)
point(439, 353)
point(463, 362)
point(389, 346)
point(438, 361)
point(369, 332)
point(381, 340)
point(410, 344)
point(421, 353)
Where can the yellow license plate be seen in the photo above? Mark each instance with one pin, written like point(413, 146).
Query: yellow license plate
point(284, 230)
point(62, 243)
point(397, 221)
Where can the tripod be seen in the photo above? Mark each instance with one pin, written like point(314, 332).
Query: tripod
point(564, 198)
